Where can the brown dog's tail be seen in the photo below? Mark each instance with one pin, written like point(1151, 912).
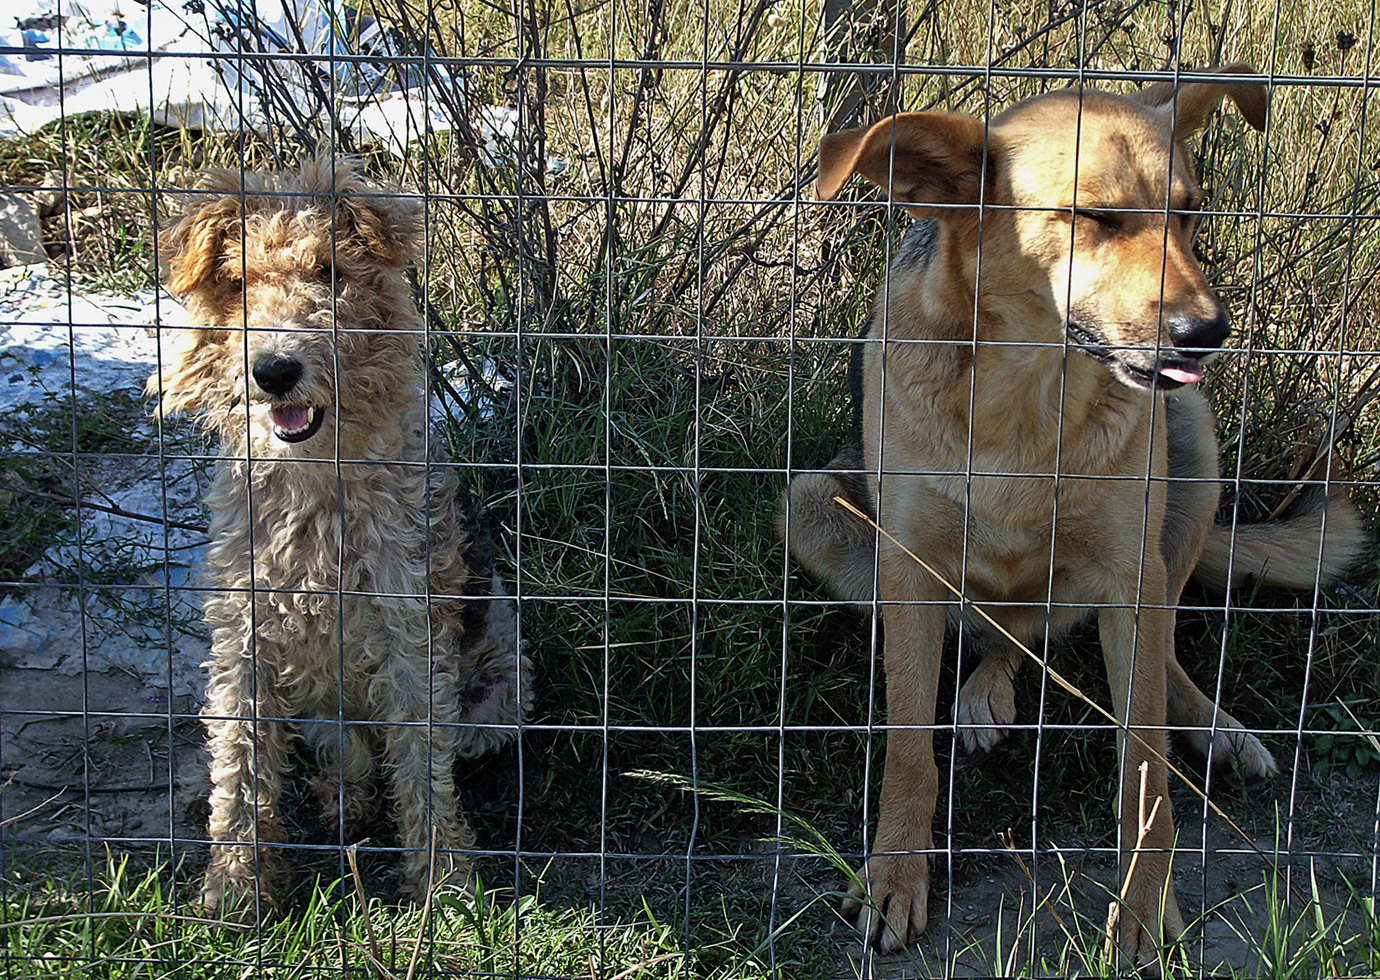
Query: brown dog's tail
point(1294, 553)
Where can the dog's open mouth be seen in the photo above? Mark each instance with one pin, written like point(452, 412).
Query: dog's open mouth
point(296, 422)
point(1167, 373)
point(1181, 370)
point(1141, 368)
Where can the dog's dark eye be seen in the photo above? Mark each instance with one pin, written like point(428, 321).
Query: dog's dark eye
point(1106, 219)
point(324, 274)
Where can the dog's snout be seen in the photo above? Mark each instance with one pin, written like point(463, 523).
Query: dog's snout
point(276, 375)
point(1200, 333)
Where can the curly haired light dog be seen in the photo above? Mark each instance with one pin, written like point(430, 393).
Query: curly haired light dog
point(348, 574)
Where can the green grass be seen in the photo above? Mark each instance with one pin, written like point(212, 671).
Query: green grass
point(129, 926)
point(126, 922)
point(96, 172)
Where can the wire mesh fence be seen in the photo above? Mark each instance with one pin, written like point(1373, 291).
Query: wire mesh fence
point(602, 225)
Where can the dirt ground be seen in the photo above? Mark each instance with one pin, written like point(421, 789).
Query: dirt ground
point(982, 903)
point(127, 774)
point(66, 776)
point(990, 897)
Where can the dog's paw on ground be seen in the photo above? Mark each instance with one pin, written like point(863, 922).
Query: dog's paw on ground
point(986, 707)
point(892, 911)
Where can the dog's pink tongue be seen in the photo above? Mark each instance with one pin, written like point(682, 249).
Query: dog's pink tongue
point(1183, 375)
point(290, 418)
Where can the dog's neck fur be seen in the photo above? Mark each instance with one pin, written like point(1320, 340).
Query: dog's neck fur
point(250, 500)
point(937, 294)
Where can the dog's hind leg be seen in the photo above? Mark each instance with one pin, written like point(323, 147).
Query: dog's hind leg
point(1191, 502)
point(495, 680)
point(1205, 726)
point(986, 707)
point(837, 547)
point(1212, 732)
point(249, 754)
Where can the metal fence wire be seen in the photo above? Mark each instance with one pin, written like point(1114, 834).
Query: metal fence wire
point(588, 303)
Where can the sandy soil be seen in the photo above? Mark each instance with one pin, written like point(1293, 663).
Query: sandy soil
point(66, 776)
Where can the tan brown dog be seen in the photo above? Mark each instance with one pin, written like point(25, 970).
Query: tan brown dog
point(1022, 424)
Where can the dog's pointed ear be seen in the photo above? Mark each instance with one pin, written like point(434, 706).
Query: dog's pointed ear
point(1191, 105)
point(194, 247)
point(924, 159)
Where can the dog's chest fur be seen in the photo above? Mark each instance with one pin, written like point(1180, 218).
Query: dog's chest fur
point(341, 557)
point(983, 447)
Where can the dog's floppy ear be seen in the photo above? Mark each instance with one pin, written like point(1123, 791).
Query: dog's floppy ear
point(389, 227)
point(1197, 100)
point(387, 224)
point(937, 161)
point(194, 247)
point(193, 251)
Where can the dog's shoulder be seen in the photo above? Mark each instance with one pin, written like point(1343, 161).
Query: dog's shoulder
point(918, 246)
point(915, 251)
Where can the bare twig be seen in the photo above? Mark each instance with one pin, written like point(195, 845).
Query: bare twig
point(33, 809)
point(373, 951)
point(1325, 451)
point(132, 515)
point(426, 906)
point(1143, 825)
point(644, 964)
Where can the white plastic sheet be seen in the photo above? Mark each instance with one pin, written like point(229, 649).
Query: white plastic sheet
point(180, 66)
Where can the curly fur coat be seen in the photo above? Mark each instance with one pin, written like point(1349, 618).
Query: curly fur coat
point(349, 590)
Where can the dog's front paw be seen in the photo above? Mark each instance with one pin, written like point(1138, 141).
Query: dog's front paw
point(889, 900)
point(232, 890)
point(1148, 919)
point(986, 707)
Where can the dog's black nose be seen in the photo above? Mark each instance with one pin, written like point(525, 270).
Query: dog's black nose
point(276, 375)
point(1198, 333)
